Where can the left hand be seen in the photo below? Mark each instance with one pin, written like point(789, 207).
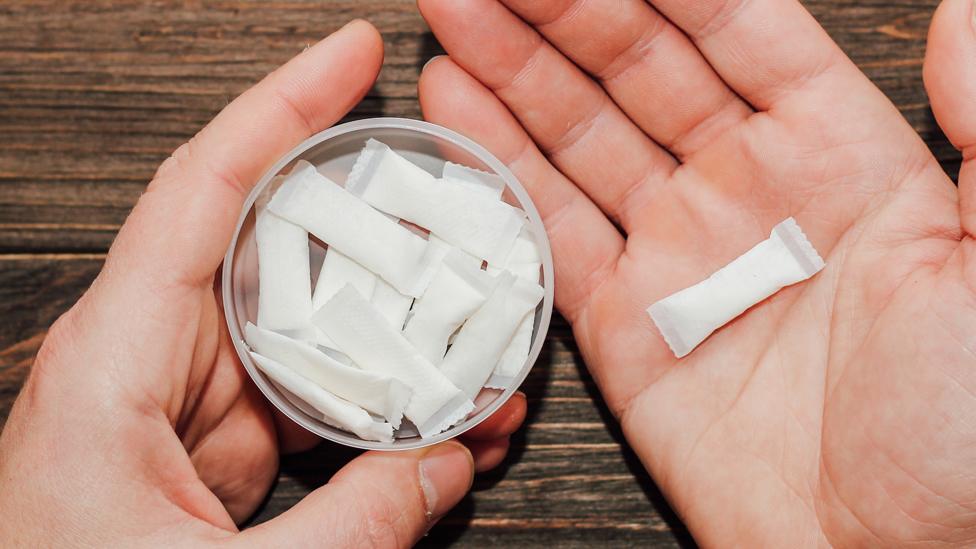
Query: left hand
point(138, 424)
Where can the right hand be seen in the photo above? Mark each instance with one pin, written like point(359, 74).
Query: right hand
point(661, 140)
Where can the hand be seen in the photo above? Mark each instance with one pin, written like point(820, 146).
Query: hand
point(662, 139)
point(138, 425)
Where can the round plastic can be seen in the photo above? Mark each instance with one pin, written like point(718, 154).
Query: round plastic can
point(333, 152)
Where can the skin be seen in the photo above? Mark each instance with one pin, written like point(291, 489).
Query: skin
point(838, 412)
point(138, 425)
point(662, 139)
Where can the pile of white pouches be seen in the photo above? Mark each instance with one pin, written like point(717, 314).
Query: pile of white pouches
point(402, 322)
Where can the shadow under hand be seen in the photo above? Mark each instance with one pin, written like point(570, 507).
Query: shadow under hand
point(944, 151)
point(373, 105)
point(636, 468)
point(454, 525)
point(429, 48)
point(300, 474)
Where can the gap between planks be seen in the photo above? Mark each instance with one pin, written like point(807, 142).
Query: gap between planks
point(554, 524)
point(29, 256)
point(60, 226)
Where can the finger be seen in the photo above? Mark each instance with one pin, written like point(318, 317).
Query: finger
point(581, 130)
point(950, 78)
point(244, 431)
point(380, 499)
point(488, 454)
point(648, 66)
point(181, 227)
point(585, 244)
point(292, 437)
point(505, 421)
point(765, 50)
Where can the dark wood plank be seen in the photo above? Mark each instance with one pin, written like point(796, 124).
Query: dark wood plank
point(85, 117)
point(35, 289)
point(95, 94)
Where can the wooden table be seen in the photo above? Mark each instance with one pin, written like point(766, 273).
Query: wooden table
point(95, 94)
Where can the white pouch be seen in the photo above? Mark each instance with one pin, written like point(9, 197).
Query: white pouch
point(524, 250)
point(485, 336)
point(457, 291)
point(393, 305)
point(688, 317)
point(382, 395)
point(482, 226)
point(476, 262)
point(284, 278)
point(364, 334)
point(341, 220)
point(514, 357)
point(524, 261)
point(528, 271)
point(337, 271)
point(437, 250)
point(492, 185)
point(334, 411)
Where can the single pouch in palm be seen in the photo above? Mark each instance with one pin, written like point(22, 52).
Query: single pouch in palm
point(688, 317)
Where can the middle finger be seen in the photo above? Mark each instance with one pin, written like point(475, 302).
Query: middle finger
point(646, 64)
point(582, 131)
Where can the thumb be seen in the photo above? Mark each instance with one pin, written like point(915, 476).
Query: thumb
point(380, 499)
point(950, 79)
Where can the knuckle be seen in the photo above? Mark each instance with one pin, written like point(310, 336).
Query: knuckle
point(189, 164)
point(175, 163)
point(42, 379)
point(58, 338)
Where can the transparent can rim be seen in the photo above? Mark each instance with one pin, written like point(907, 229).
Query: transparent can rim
point(431, 131)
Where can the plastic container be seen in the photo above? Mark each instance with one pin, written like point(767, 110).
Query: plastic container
point(334, 151)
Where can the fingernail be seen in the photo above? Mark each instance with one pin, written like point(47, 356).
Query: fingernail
point(446, 473)
point(431, 60)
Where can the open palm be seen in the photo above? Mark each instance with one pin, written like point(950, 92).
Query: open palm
point(662, 139)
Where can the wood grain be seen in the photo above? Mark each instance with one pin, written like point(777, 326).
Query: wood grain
point(95, 94)
point(34, 290)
